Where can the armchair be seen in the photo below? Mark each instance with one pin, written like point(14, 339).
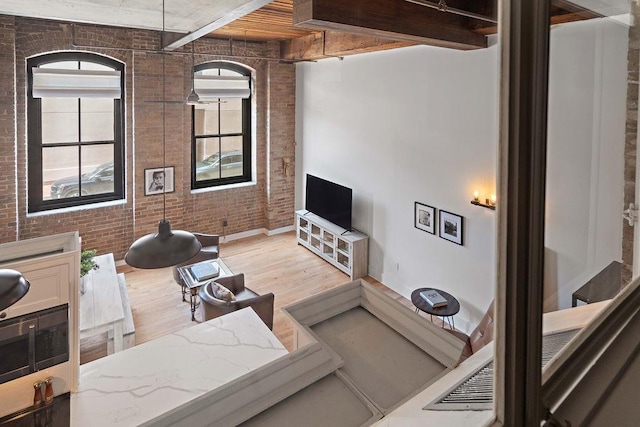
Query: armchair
point(212, 307)
point(210, 250)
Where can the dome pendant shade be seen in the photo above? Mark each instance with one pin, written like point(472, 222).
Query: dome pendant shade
point(162, 249)
point(13, 286)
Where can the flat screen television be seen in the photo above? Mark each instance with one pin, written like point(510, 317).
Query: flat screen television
point(329, 200)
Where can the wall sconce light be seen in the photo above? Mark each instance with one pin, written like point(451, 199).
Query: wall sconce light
point(489, 203)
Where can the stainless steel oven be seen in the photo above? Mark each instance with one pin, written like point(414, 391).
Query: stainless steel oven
point(33, 342)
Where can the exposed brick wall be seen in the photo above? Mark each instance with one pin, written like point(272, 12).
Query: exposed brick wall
point(631, 132)
point(8, 224)
point(244, 208)
point(113, 228)
point(148, 134)
point(281, 142)
point(107, 229)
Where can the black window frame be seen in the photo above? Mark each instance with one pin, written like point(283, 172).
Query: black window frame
point(35, 146)
point(245, 134)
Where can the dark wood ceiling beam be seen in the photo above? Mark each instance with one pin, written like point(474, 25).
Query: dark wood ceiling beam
point(559, 15)
point(388, 19)
point(482, 10)
point(340, 44)
point(307, 48)
point(576, 10)
point(329, 44)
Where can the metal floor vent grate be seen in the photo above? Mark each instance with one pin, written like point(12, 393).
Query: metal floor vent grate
point(475, 392)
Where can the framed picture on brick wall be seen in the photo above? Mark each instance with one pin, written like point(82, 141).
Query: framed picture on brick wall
point(158, 180)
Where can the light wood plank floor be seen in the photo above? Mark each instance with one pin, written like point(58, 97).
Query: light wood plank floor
point(270, 264)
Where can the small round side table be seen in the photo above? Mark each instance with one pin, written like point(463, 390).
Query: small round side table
point(448, 311)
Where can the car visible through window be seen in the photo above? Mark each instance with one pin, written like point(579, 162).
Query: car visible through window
point(228, 165)
point(98, 181)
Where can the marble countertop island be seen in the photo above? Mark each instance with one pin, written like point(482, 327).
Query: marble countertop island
point(154, 379)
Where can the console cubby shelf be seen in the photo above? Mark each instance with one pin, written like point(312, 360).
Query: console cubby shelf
point(348, 251)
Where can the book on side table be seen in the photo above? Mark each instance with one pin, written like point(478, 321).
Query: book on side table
point(433, 298)
point(204, 271)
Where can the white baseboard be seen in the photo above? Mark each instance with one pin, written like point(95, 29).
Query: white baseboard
point(242, 235)
point(256, 232)
point(280, 230)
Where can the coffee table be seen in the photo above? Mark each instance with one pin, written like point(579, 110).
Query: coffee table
point(191, 286)
point(448, 311)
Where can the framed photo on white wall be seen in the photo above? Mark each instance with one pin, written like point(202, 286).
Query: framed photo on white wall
point(451, 227)
point(425, 218)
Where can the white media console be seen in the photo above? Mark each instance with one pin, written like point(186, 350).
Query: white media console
point(347, 250)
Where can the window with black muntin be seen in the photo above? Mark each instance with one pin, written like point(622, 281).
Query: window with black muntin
point(221, 125)
point(75, 130)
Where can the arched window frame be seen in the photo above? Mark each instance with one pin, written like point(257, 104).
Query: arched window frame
point(245, 134)
point(37, 200)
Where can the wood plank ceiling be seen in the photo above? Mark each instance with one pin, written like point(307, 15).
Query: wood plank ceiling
point(271, 22)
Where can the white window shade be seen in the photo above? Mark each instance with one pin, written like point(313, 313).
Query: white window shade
point(60, 83)
point(214, 87)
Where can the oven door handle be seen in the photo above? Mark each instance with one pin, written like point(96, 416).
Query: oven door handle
point(32, 348)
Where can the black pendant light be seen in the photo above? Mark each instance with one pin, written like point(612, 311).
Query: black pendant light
point(13, 286)
point(164, 248)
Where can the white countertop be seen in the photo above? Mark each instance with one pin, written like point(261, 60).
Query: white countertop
point(146, 381)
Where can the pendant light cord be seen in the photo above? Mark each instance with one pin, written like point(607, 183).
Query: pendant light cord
point(164, 248)
point(193, 69)
point(164, 125)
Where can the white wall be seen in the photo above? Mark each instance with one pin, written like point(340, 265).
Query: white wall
point(420, 124)
point(587, 113)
